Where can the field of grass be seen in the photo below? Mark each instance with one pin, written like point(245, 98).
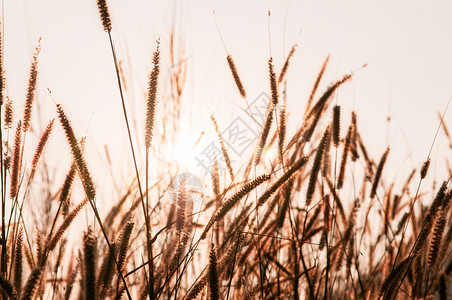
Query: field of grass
point(316, 220)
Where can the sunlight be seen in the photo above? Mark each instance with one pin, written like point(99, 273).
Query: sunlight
point(184, 153)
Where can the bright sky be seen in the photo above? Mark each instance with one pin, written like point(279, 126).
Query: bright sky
point(407, 44)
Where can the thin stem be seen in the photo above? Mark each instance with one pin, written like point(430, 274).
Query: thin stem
point(3, 175)
point(3, 262)
point(126, 119)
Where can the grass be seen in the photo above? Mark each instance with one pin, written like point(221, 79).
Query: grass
point(281, 228)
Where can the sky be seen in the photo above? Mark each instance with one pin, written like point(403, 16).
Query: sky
point(406, 44)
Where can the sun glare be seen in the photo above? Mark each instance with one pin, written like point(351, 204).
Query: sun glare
point(184, 154)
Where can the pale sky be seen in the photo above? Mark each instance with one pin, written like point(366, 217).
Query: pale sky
point(407, 44)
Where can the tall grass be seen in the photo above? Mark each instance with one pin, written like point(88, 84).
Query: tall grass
point(285, 227)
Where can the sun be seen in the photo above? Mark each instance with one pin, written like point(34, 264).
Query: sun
point(184, 154)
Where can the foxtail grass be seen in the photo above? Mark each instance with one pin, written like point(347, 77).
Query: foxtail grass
point(7, 288)
point(235, 75)
point(18, 262)
point(345, 153)
point(282, 129)
point(40, 148)
point(16, 162)
point(90, 261)
point(214, 285)
point(181, 205)
point(264, 134)
point(9, 111)
point(104, 15)
point(232, 201)
point(151, 102)
point(336, 125)
point(106, 272)
point(435, 242)
point(53, 240)
point(278, 183)
point(317, 83)
point(285, 67)
point(31, 286)
point(227, 159)
point(85, 175)
point(316, 166)
point(124, 243)
point(378, 173)
point(32, 81)
point(273, 83)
